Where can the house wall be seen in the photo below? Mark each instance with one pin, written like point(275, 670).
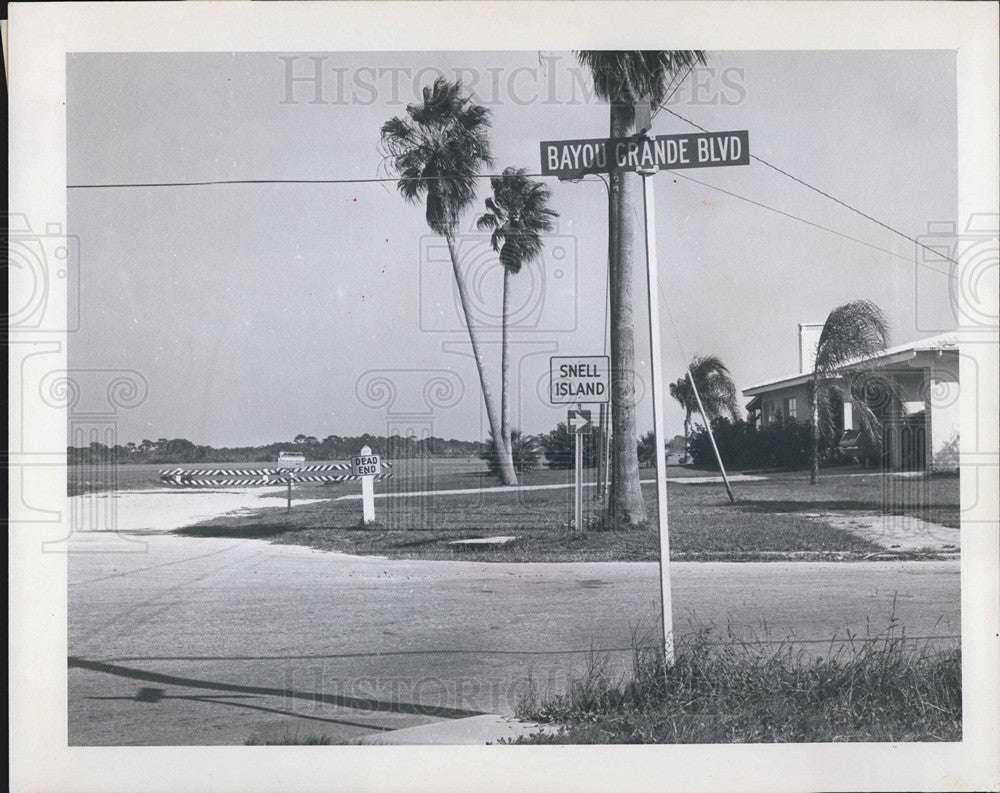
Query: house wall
point(777, 401)
point(944, 414)
point(928, 382)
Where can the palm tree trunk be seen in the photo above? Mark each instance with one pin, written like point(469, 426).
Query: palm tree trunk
point(505, 367)
point(814, 434)
point(626, 507)
point(687, 434)
point(507, 475)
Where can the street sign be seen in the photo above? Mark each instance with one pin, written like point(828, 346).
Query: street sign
point(366, 465)
point(579, 422)
point(579, 379)
point(291, 460)
point(574, 158)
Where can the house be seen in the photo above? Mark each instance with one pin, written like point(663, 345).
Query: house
point(920, 434)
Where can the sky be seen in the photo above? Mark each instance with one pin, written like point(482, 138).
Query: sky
point(257, 312)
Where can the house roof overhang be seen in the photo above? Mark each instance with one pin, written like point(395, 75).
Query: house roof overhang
point(946, 342)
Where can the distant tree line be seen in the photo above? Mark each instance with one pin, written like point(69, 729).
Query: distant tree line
point(332, 447)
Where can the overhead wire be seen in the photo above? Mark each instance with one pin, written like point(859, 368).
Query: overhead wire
point(821, 192)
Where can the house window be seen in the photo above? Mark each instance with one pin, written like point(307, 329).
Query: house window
point(770, 413)
point(791, 407)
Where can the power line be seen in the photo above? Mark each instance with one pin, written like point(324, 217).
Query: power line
point(814, 225)
point(823, 193)
point(383, 180)
point(209, 182)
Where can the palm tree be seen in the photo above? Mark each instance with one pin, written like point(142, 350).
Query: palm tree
point(715, 387)
point(623, 78)
point(853, 332)
point(437, 151)
point(518, 214)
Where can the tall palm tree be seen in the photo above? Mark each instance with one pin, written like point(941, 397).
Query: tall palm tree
point(715, 387)
point(518, 214)
point(853, 332)
point(623, 78)
point(437, 151)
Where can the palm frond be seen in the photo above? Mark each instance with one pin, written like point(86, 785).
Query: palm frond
point(623, 77)
point(439, 150)
point(519, 214)
point(851, 333)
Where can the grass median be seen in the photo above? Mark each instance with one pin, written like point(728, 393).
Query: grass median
point(771, 520)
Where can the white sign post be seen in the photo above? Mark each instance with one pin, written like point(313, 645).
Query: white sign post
point(652, 284)
point(645, 155)
point(367, 466)
point(579, 423)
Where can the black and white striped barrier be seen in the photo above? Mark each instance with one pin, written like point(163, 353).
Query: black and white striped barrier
point(291, 469)
point(266, 479)
point(171, 475)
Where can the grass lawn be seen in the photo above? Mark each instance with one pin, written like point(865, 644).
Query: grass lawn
point(765, 523)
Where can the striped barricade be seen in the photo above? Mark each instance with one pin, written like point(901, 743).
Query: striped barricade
point(203, 477)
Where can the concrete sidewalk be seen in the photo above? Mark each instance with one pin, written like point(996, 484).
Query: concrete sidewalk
point(475, 730)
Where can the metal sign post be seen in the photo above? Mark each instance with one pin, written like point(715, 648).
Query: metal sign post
point(579, 379)
point(289, 463)
point(645, 155)
point(652, 284)
point(579, 423)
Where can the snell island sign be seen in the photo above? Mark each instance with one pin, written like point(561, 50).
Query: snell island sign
point(579, 379)
point(572, 158)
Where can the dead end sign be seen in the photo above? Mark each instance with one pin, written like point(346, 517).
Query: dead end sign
point(579, 379)
point(366, 465)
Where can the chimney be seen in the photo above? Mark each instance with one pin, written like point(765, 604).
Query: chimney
point(809, 333)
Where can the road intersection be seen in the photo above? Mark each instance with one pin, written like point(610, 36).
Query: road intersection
point(216, 641)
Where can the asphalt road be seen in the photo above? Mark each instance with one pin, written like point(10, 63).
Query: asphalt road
point(211, 641)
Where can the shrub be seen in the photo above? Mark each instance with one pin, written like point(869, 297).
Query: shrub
point(560, 448)
point(784, 444)
point(525, 451)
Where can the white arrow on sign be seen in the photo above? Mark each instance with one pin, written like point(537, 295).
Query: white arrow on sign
point(579, 420)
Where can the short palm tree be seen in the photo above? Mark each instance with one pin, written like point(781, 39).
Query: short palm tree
point(715, 387)
point(853, 333)
point(623, 78)
point(437, 151)
point(518, 214)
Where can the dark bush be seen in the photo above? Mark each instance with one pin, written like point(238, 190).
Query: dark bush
point(524, 448)
point(559, 448)
point(784, 444)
